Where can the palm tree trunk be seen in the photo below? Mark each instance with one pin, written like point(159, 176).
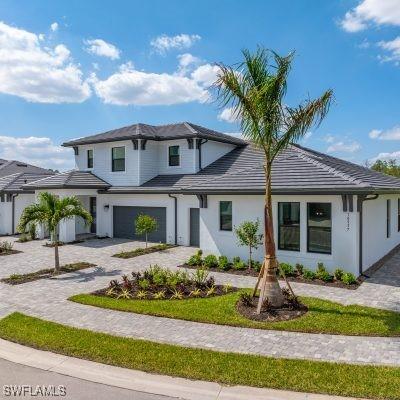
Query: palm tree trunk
point(269, 287)
point(56, 255)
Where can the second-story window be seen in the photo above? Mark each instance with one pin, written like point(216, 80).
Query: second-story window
point(173, 156)
point(90, 158)
point(118, 159)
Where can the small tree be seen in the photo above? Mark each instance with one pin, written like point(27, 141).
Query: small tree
point(144, 225)
point(247, 235)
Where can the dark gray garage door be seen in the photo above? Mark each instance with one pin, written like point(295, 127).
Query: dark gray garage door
point(124, 222)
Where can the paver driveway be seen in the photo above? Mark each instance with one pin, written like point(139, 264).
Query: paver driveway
point(48, 299)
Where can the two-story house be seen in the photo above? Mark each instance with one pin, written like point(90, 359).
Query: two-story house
point(199, 184)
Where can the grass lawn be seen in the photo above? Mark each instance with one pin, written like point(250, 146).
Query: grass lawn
point(323, 316)
point(229, 368)
point(141, 251)
point(16, 279)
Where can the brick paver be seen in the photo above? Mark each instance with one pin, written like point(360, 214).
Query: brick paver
point(47, 299)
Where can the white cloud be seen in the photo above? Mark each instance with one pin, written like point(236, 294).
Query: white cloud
point(38, 73)
point(395, 155)
point(132, 87)
point(393, 47)
point(344, 147)
point(389, 134)
point(187, 62)
point(164, 43)
point(205, 74)
point(378, 12)
point(228, 115)
point(54, 26)
point(40, 151)
point(329, 138)
point(101, 48)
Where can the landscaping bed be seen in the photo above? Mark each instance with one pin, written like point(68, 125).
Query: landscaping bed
point(156, 283)
point(297, 273)
point(323, 316)
point(6, 249)
point(142, 251)
point(367, 381)
point(52, 244)
point(17, 279)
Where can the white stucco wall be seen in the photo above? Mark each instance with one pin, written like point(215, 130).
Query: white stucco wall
point(212, 151)
point(344, 231)
point(21, 201)
point(5, 218)
point(376, 244)
point(105, 216)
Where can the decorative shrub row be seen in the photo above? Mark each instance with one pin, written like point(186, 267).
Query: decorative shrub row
point(157, 283)
point(297, 271)
point(142, 251)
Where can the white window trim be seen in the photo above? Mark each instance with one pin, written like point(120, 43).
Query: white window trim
point(111, 160)
point(87, 158)
point(180, 158)
point(224, 231)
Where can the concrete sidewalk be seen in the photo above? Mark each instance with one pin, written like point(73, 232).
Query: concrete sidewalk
point(142, 381)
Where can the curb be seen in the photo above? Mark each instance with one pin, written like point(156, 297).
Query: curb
point(143, 381)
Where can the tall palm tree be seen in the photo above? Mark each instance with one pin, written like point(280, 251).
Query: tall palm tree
point(50, 211)
point(255, 89)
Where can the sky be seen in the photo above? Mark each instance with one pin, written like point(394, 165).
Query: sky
point(74, 68)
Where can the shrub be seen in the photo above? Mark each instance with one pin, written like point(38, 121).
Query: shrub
point(235, 259)
point(287, 269)
point(210, 261)
point(23, 238)
point(256, 265)
point(238, 264)
point(159, 295)
point(299, 268)
point(200, 277)
point(223, 263)
point(196, 259)
point(348, 278)
point(5, 247)
point(144, 284)
point(325, 276)
point(246, 299)
point(338, 274)
point(308, 274)
point(320, 267)
point(32, 230)
point(195, 293)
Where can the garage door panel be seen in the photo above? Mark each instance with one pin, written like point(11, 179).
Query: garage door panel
point(124, 222)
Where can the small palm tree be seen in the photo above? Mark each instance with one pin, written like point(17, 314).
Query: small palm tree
point(256, 89)
point(50, 211)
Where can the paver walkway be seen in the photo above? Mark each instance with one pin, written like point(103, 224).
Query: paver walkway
point(47, 299)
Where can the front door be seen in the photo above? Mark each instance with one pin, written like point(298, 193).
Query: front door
point(93, 213)
point(195, 227)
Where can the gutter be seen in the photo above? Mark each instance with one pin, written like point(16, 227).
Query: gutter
point(175, 217)
point(360, 201)
point(13, 213)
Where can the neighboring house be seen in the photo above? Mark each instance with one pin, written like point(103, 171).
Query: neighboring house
point(13, 199)
point(10, 167)
point(200, 184)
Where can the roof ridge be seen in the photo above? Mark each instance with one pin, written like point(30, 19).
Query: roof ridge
point(190, 127)
point(304, 153)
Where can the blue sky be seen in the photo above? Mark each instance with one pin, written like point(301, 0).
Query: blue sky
point(74, 68)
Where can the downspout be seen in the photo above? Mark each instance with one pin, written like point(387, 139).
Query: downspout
point(13, 213)
point(200, 143)
point(360, 201)
point(175, 217)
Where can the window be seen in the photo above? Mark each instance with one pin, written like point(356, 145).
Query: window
point(289, 226)
point(173, 156)
point(2, 198)
point(118, 159)
point(90, 158)
point(225, 215)
point(9, 197)
point(319, 228)
point(388, 218)
point(398, 215)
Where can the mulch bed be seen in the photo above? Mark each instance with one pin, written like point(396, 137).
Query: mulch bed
point(8, 253)
point(142, 251)
point(285, 313)
point(299, 279)
point(49, 244)
point(17, 279)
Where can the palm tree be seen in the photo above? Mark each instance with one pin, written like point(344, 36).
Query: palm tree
point(50, 211)
point(255, 89)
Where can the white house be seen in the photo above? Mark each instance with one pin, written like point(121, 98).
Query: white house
point(200, 184)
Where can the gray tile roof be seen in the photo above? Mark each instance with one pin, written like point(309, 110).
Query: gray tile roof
point(70, 179)
point(13, 183)
point(183, 130)
point(10, 167)
point(295, 170)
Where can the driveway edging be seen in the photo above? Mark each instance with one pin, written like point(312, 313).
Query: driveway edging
point(143, 381)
